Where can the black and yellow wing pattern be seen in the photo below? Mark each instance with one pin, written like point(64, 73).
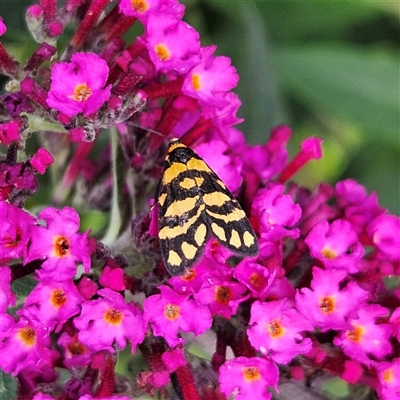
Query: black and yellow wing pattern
point(194, 204)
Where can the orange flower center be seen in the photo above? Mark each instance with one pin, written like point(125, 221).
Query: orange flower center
point(162, 52)
point(28, 336)
point(58, 298)
point(113, 316)
point(355, 334)
point(251, 373)
point(140, 6)
point(326, 304)
point(82, 92)
point(223, 295)
point(172, 311)
point(61, 246)
point(328, 253)
point(387, 375)
point(196, 81)
point(275, 329)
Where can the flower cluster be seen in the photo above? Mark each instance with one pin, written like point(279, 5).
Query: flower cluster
point(320, 295)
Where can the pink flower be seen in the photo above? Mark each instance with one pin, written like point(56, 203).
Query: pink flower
point(352, 372)
point(173, 359)
point(385, 232)
point(221, 296)
point(166, 48)
point(310, 150)
point(211, 78)
point(269, 159)
point(250, 377)
point(192, 280)
point(359, 207)
point(9, 132)
point(112, 278)
point(275, 213)
point(35, 11)
point(77, 87)
point(75, 353)
point(41, 160)
point(366, 335)
point(143, 9)
point(389, 379)
point(87, 288)
point(256, 277)
point(42, 396)
point(53, 303)
point(395, 321)
point(280, 288)
point(228, 167)
point(15, 179)
point(224, 117)
point(7, 296)
point(110, 319)
point(15, 232)
point(24, 344)
point(169, 312)
point(275, 330)
point(89, 397)
point(335, 245)
point(3, 28)
point(59, 244)
point(326, 306)
point(16, 103)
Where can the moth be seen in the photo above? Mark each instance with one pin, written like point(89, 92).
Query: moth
point(193, 205)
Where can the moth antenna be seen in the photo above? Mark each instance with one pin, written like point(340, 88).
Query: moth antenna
point(132, 123)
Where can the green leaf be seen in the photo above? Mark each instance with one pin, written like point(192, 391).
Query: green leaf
point(95, 220)
point(297, 21)
point(23, 286)
point(249, 48)
point(336, 387)
point(352, 84)
point(377, 167)
point(8, 386)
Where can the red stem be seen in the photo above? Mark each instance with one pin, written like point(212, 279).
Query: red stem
point(92, 15)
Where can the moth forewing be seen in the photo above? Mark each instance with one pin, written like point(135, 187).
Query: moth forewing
point(193, 204)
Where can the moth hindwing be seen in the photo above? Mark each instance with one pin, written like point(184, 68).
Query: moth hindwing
point(194, 204)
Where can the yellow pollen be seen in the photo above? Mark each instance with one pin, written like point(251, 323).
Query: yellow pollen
point(251, 373)
point(58, 298)
point(328, 253)
point(28, 336)
point(275, 329)
point(196, 81)
point(223, 295)
point(162, 52)
point(326, 304)
point(140, 6)
point(387, 375)
point(61, 246)
point(356, 334)
point(82, 92)
point(172, 311)
point(113, 316)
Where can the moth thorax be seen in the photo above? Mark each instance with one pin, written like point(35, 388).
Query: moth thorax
point(181, 154)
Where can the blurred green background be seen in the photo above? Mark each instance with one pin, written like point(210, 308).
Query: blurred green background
point(328, 69)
